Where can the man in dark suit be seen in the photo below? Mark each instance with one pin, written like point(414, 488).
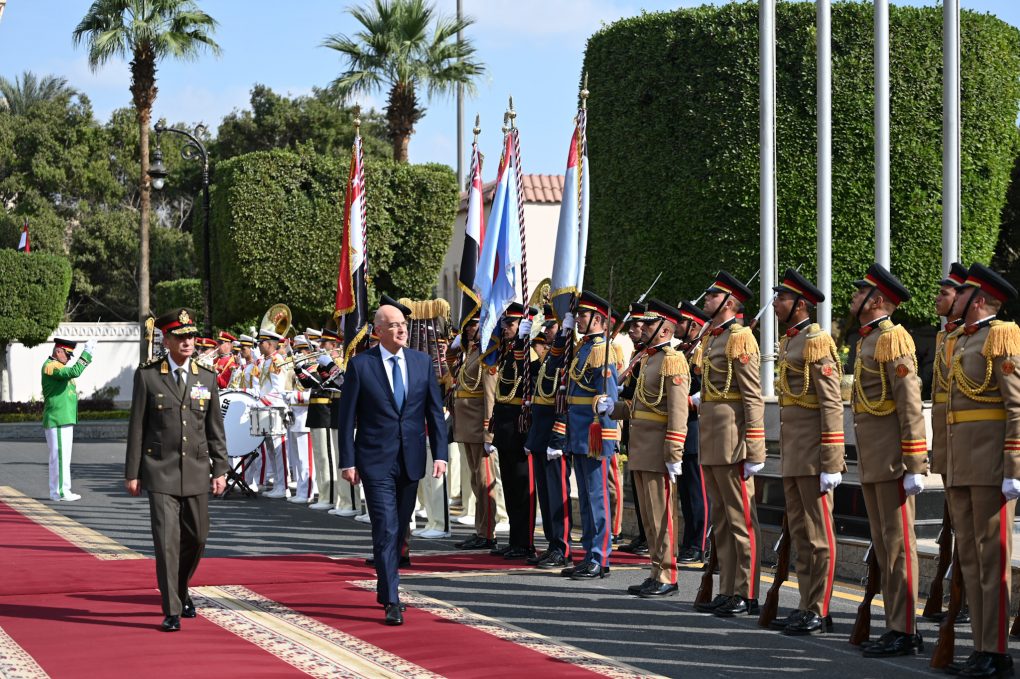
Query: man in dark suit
point(175, 432)
point(392, 398)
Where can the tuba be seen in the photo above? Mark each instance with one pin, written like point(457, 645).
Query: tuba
point(277, 319)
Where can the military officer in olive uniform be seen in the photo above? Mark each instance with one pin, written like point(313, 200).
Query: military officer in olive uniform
point(945, 307)
point(892, 455)
point(732, 444)
point(811, 446)
point(983, 460)
point(60, 411)
point(174, 436)
point(658, 430)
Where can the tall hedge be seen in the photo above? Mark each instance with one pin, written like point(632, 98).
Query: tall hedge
point(276, 224)
point(673, 138)
point(35, 292)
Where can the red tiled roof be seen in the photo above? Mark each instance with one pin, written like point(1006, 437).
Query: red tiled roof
point(538, 188)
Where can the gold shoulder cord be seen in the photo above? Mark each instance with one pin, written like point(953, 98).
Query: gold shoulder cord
point(784, 384)
point(543, 374)
point(940, 380)
point(871, 407)
point(515, 381)
point(650, 399)
point(577, 376)
point(969, 387)
point(463, 377)
point(706, 372)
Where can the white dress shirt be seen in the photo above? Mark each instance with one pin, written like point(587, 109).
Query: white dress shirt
point(388, 364)
point(174, 366)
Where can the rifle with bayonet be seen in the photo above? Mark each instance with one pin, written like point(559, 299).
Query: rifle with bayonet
point(704, 330)
point(782, 549)
point(945, 647)
point(704, 594)
point(933, 606)
point(872, 583)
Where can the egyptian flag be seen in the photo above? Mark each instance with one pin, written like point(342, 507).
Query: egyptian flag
point(572, 231)
point(24, 243)
point(474, 235)
point(351, 291)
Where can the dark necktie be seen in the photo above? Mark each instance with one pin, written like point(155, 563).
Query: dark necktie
point(398, 383)
point(182, 380)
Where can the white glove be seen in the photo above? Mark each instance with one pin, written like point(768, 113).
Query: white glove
point(604, 405)
point(696, 400)
point(568, 322)
point(827, 481)
point(551, 454)
point(455, 344)
point(489, 449)
point(752, 468)
point(524, 329)
point(1011, 488)
point(291, 397)
point(527, 452)
point(324, 360)
point(913, 484)
point(675, 469)
point(90, 347)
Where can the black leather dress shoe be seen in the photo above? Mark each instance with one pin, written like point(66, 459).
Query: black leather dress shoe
point(590, 571)
point(893, 644)
point(500, 551)
point(394, 616)
point(957, 667)
point(567, 571)
point(715, 603)
point(405, 562)
point(515, 553)
point(171, 623)
point(779, 624)
point(658, 590)
point(809, 623)
point(403, 606)
point(737, 605)
point(476, 542)
point(636, 589)
point(554, 559)
point(989, 665)
point(188, 609)
point(964, 616)
point(689, 555)
point(534, 559)
point(635, 546)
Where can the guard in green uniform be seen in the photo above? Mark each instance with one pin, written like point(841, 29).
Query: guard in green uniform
point(60, 412)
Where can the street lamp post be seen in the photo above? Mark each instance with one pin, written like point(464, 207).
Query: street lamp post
point(192, 149)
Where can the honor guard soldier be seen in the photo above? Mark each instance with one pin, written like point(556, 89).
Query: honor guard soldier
point(690, 485)
point(60, 411)
point(299, 439)
point(506, 398)
point(225, 362)
point(732, 444)
point(324, 454)
point(891, 451)
point(555, 505)
point(983, 460)
point(347, 497)
point(811, 447)
point(590, 439)
point(471, 431)
point(658, 429)
point(945, 307)
point(639, 545)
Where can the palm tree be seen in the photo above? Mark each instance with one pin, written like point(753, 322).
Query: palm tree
point(147, 31)
point(27, 90)
point(394, 50)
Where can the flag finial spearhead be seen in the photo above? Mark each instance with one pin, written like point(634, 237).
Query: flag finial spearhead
point(512, 114)
point(478, 126)
point(506, 122)
point(357, 120)
point(584, 92)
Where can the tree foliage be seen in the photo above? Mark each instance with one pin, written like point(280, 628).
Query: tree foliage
point(20, 95)
point(684, 174)
point(32, 305)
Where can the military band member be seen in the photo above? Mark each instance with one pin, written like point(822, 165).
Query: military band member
point(891, 451)
point(658, 430)
point(945, 307)
point(347, 496)
point(240, 376)
point(324, 464)
point(811, 446)
point(983, 460)
point(690, 485)
point(60, 411)
point(505, 397)
point(225, 362)
point(299, 439)
point(732, 444)
point(639, 544)
point(556, 514)
point(175, 433)
point(590, 439)
point(471, 430)
point(271, 376)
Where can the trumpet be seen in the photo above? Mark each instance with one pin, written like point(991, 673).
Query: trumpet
point(297, 360)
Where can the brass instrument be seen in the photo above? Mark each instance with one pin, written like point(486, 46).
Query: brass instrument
point(539, 298)
point(277, 319)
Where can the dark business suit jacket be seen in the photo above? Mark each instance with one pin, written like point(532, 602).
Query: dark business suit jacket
point(383, 433)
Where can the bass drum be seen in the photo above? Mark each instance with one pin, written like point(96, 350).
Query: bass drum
point(235, 405)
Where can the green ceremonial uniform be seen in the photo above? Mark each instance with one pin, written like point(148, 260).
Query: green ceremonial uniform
point(60, 398)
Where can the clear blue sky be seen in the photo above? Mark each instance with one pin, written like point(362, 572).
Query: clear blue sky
point(533, 49)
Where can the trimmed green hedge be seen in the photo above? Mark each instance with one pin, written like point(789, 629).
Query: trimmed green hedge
point(36, 287)
point(673, 135)
point(186, 292)
point(276, 224)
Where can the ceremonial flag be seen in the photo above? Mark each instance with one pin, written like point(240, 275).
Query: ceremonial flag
point(572, 232)
point(474, 236)
point(24, 243)
point(496, 280)
point(351, 291)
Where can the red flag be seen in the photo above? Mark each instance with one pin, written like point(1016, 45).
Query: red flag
point(351, 286)
point(474, 236)
point(24, 243)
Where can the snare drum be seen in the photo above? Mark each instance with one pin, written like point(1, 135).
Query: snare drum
point(267, 421)
point(235, 406)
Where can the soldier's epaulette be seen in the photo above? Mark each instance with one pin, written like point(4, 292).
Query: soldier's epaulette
point(674, 363)
point(818, 345)
point(50, 366)
point(205, 367)
point(696, 356)
point(1003, 340)
point(597, 355)
point(893, 343)
point(151, 362)
point(741, 342)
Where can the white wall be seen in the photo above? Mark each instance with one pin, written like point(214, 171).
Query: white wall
point(113, 364)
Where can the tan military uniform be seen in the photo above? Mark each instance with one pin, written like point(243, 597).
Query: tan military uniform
point(658, 429)
point(471, 430)
point(891, 441)
point(983, 448)
point(732, 432)
point(939, 396)
point(811, 442)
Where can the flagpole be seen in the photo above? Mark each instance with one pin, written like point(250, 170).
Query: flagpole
point(524, 422)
